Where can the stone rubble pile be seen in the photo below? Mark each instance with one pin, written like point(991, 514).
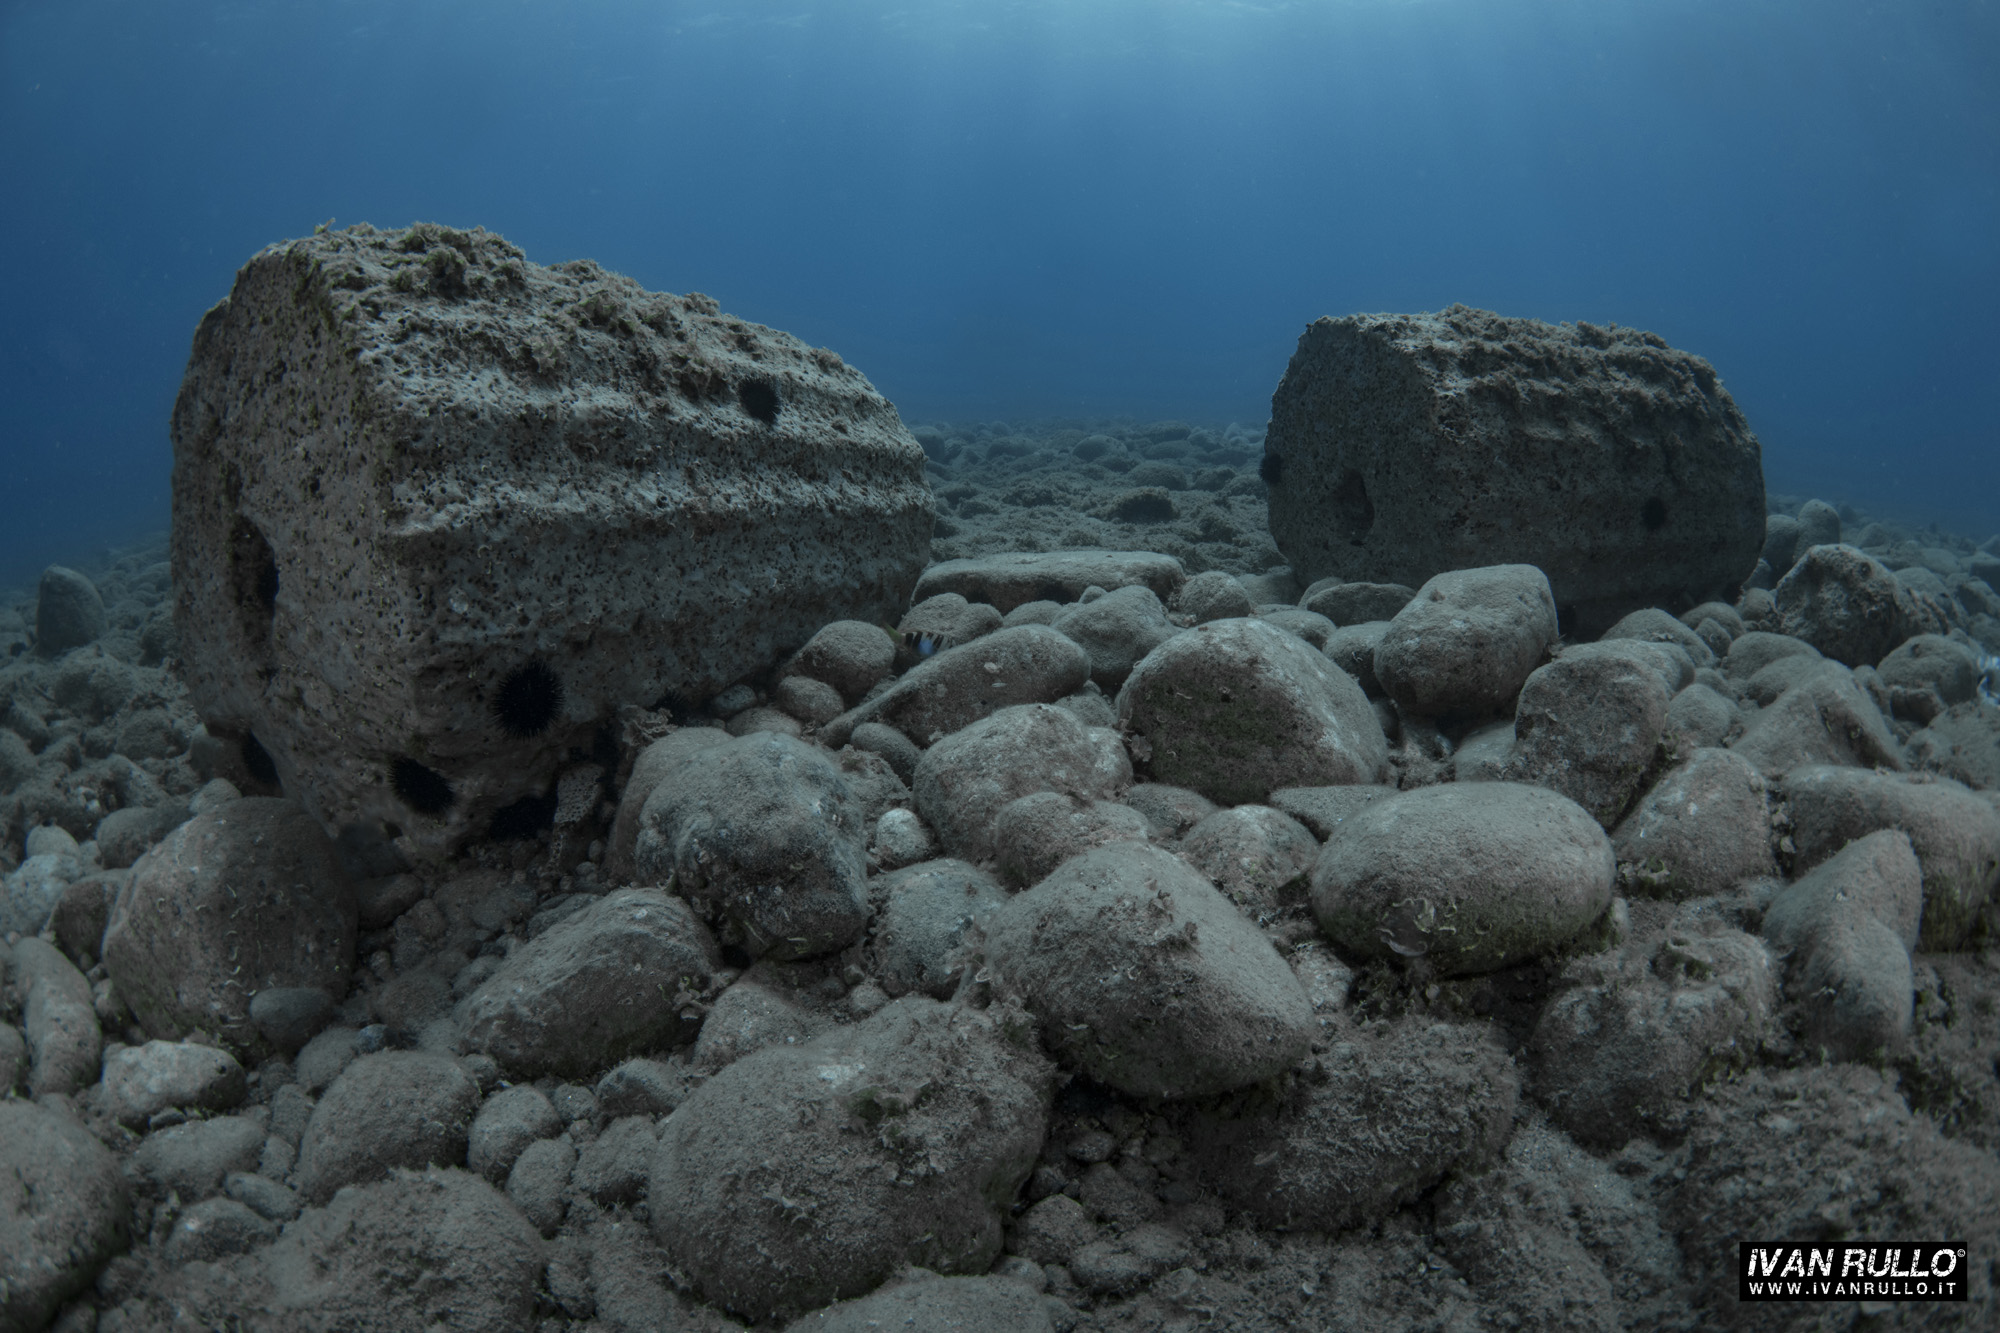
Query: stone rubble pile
point(1094, 944)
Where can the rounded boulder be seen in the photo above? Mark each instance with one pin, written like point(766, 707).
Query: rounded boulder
point(1471, 876)
point(1145, 977)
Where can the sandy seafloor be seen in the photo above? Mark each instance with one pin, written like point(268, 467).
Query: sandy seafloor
point(1193, 492)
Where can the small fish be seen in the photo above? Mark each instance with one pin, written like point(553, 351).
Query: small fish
point(1989, 680)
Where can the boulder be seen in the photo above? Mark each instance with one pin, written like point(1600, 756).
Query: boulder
point(1588, 725)
point(1257, 856)
point(1469, 876)
point(1008, 579)
point(29, 893)
point(438, 511)
point(1848, 927)
point(425, 1249)
point(766, 839)
point(1652, 625)
point(58, 1019)
point(69, 613)
point(658, 759)
point(1026, 664)
point(1117, 630)
point(1699, 716)
point(1703, 829)
point(1467, 641)
point(64, 1211)
point(757, 1010)
point(1146, 978)
point(1636, 1031)
point(1824, 718)
point(1402, 446)
point(922, 915)
point(1236, 708)
point(849, 655)
point(1212, 595)
point(1356, 603)
point(506, 1124)
point(942, 1304)
point(1391, 1109)
point(1928, 674)
point(1822, 1151)
point(141, 1081)
point(1170, 811)
point(1847, 605)
point(1352, 649)
point(1554, 1238)
point(1038, 832)
point(1954, 832)
point(945, 620)
point(619, 977)
point(967, 778)
point(193, 1159)
point(247, 897)
point(1753, 650)
point(1963, 743)
point(802, 1175)
point(390, 1109)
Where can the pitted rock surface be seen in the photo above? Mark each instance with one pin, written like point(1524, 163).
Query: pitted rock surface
point(1408, 445)
point(439, 510)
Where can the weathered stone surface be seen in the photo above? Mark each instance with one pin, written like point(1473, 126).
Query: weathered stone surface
point(1236, 708)
point(658, 759)
point(1467, 640)
point(393, 1108)
point(1848, 605)
point(1254, 854)
point(940, 1305)
point(804, 1174)
point(1009, 579)
point(64, 1211)
point(69, 612)
point(57, 1018)
point(140, 1081)
point(923, 912)
point(423, 1249)
point(1407, 445)
point(1588, 725)
point(1147, 978)
point(438, 511)
point(1117, 630)
point(1848, 926)
point(1025, 664)
point(850, 655)
point(1963, 742)
point(1471, 876)
point(1640, 1028)
point(1704, 828)
point(1387, 1112)
point(246, 897)
point(765, 837)
point(1928, 674)
point(1954, 832)
point(616, 978)
point(1823, 718)
point(1356, 603)
point(965, 780)
point(507, 1123)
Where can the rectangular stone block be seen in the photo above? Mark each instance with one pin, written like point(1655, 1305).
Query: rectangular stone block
point(439, 511)
point(1404, 446)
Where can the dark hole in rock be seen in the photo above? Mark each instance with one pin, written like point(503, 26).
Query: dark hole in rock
point(423, 789)
point(759, 399)
point(736, 956)
point(1653, 514)
point(523, 818)
point(1271, 469)
point(527, 700)
point(257, 760)
point(1565, 620)
point(253, 575)
point(1052, 592)
point(1357, 511)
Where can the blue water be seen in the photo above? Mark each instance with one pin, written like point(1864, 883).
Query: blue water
point(1040, 208)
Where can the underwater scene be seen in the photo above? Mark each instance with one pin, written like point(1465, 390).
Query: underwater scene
point(1031, 666)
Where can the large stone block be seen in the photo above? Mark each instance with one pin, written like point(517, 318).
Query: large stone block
point(1402, 446)
point(438, 511)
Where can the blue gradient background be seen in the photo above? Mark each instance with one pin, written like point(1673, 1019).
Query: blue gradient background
point(1046, 208)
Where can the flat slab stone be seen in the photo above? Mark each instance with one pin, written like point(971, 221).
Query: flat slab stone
point(1008, 580)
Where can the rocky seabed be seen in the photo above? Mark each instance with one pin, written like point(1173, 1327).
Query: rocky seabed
point(1127, 938)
